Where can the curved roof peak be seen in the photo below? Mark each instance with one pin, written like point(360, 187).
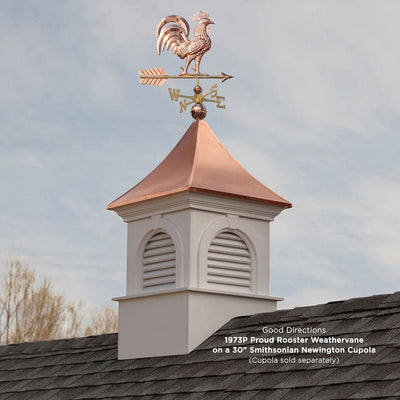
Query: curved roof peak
point(199, 163)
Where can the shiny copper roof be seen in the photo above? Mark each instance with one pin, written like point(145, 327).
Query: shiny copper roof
point(199, 163)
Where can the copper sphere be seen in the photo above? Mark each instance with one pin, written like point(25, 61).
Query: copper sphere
point(197, 89)
point(199, 111)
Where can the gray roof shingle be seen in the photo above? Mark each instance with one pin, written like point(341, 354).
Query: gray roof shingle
point(88, 369)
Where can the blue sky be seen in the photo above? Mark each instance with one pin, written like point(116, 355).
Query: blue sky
point(313, 113)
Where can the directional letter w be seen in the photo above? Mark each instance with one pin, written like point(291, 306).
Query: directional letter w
point(174, 94)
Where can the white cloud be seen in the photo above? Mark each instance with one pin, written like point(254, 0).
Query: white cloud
point(107, 87)
point(378, 216)
point(312, 112)
point(21, 51)
point(329, 65)
point(346, 245)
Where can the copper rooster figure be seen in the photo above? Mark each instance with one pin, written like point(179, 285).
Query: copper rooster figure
point(172, 33)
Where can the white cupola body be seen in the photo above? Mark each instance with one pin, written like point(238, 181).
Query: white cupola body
point(197, 248)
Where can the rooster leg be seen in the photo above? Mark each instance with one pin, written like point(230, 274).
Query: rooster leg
point(197, 65)
point(188, 61)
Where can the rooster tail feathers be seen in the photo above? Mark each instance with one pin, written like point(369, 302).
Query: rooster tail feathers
point(172, 36)
point(174, 18)
point(171, 32)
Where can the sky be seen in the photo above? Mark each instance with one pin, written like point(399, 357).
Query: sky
point(312, 112)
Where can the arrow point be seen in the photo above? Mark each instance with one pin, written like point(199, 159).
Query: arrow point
point(225, 77)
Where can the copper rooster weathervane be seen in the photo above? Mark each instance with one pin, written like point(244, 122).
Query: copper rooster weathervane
point(173, 34)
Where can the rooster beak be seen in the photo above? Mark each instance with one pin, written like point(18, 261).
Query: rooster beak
point(211, 22)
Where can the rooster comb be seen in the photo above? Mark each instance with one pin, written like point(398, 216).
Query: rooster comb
point(200, 15)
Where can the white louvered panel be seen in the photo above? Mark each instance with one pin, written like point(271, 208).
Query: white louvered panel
point(158, 243)
point(229, 261)
point(229, 250)
point(159, 262)
point(227, 265)
point(159, 256)
point(159, 266)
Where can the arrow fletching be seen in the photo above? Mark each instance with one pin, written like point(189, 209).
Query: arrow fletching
point(153, 77)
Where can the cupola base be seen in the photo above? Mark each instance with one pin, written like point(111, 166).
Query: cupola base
point(178, 321)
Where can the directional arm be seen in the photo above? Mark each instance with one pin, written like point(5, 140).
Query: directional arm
point(198, 97)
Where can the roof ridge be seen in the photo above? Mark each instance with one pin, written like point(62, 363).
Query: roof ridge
point(305, 313)
point(56, 352)
point(238, 163)
point(58, 342)
point(193, 168)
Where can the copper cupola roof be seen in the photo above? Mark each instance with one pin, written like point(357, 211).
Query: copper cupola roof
point(199, 163)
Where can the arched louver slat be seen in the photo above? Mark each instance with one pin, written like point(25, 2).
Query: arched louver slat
point(229, 261)
point(159, 263)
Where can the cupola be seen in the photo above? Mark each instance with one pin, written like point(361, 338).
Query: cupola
point(197, 248)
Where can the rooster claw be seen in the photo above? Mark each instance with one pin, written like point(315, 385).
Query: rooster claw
point(184, 72)
point(198, 73)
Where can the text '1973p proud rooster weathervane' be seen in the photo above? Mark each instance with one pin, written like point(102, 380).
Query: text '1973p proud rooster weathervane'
point(173, 34)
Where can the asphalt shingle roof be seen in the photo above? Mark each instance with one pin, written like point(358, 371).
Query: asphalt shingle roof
point(88, 369)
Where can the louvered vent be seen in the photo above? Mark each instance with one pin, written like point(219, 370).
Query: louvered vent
point(159, 262)
point(229, 261)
